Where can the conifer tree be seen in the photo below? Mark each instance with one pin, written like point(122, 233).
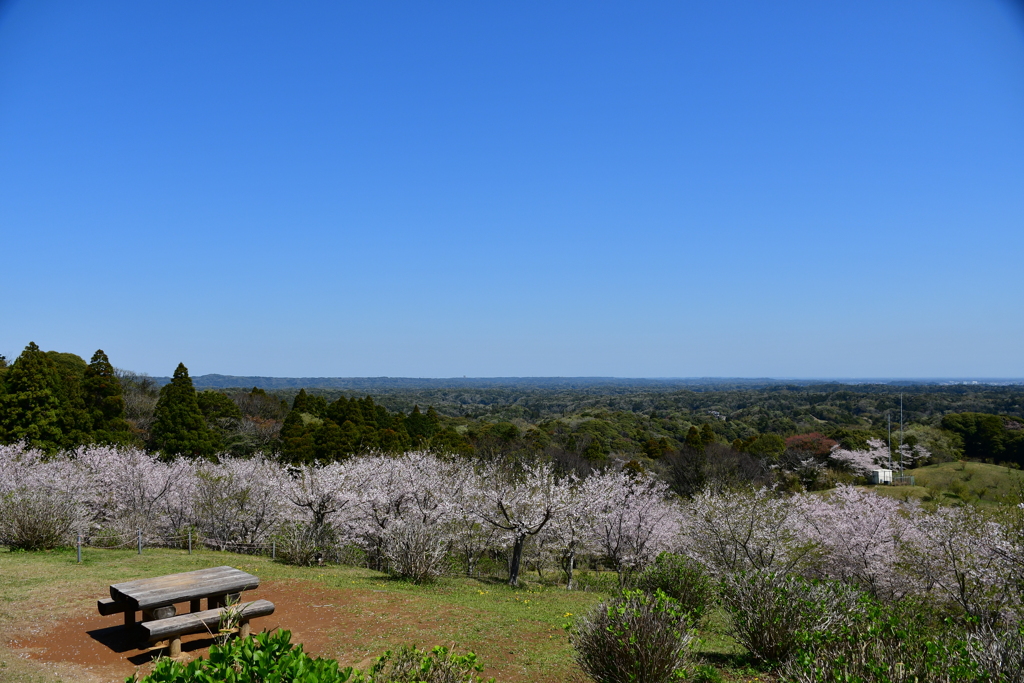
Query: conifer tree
point(417, 426)
point(30, 406)
point(329, 442)
point(707, 435)
point(299, 403)
point(104, 401)
point(433, 420)
point(179, 427)
point(75, 425)
point(693, 440)
point(297, 442)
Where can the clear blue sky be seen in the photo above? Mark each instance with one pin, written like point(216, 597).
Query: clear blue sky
point(637, 189)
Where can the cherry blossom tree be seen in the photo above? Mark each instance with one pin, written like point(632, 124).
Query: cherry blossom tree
point(744, 530)
point(959, 556)
point(635, 518)
point(573, 532)
point(412, 502)
point(43, 501)
point(237, 501)
point(131, 486)
point(519, 500)
point(877, 455)
point(861, 539)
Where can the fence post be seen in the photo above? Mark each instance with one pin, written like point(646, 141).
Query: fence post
point(273, 549)
point(189, 541)
point(140, 541)
point(79, 548)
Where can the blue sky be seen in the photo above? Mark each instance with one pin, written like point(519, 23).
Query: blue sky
point(676, 189)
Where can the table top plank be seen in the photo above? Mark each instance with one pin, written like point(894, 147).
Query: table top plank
point(172, 588)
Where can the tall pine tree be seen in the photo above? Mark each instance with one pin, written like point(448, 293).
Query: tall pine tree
point(30, 406)
point(179, 427)
point(104, 402)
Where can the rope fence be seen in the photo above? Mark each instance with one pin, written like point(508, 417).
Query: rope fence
point(140, 540)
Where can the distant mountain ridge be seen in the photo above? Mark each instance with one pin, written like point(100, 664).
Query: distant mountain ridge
point(216, 381)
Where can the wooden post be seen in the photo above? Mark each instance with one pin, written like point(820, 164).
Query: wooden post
point(79, 548)
point(175, 649)
point(244, 629)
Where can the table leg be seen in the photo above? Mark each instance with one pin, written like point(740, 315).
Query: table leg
point(175, 649)
point(129, 618)
point(195, 606)
point(244, 629)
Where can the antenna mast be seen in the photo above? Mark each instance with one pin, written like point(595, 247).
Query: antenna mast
point(888, 417)
point(901, 433)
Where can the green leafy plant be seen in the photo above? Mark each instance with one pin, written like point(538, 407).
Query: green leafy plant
point(681, 578)
point(772, 611)
point(635, 638)
point(895, 643)
point(411, 665)
point(273, 658)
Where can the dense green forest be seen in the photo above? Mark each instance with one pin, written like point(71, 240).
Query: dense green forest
point(58, 401)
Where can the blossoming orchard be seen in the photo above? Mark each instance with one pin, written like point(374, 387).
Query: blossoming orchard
point(419, 515)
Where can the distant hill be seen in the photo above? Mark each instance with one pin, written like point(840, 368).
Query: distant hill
point(376, 384)
point(400, 383)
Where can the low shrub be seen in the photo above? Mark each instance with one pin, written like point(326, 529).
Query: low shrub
point(681, 578)
point(704, 673)
point(902, 643)
point(36, 520)
point(411, 665)
point(635, 638)
point(273, 657)
point(302, 544)
point(772, 612)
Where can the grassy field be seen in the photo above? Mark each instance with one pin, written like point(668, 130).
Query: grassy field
point(955, 483)
point(518, 633)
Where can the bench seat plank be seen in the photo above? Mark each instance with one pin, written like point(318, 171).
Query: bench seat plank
point(208, 620)
point(108, 606)
point(144, 594)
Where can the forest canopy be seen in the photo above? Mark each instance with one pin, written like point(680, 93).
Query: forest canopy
point(54, 400)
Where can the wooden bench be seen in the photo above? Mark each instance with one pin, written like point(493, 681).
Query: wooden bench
point(174, 627)
point(156, 597)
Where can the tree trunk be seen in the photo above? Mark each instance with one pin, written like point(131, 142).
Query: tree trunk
point(517, 558)
point(570, 561)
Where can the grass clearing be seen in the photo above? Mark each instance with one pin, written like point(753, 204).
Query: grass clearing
point(518, 633)
point(956, 483)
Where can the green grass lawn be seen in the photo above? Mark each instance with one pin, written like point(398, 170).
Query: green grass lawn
point(518, 633)
point(956, 483)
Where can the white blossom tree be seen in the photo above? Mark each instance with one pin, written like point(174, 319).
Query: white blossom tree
point(520, 501)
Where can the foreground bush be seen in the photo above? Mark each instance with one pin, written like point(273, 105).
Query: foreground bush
point(273, 657)
point(679, 577)
point(772, 612)
point(410, 665)
point(905, 643)
point(636, 638)
point(36, 520)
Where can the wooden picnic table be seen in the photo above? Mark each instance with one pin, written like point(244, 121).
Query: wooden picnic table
point(156, 598)
point(149, 594)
